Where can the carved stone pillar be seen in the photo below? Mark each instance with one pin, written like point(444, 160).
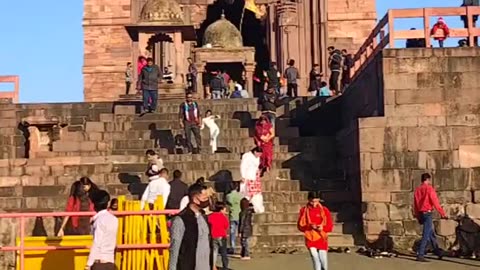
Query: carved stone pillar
point(201, 90)
point(34, 141)
point(179, 68)
point(249, 71)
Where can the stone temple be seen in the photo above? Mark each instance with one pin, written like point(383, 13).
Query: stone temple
point(288, 29)
point(407, 111)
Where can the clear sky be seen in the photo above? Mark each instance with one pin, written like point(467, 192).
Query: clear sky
point(42, 42)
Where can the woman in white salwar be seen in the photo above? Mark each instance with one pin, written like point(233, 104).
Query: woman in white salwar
point(251, 186)
point(209, 121)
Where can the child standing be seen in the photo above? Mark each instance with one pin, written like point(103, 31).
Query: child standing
point(246, 228)
point(209, 121)
point(440, 26)
point(128, 77)
point(219, 227)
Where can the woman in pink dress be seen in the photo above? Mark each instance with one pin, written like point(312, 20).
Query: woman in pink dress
point(264, 136)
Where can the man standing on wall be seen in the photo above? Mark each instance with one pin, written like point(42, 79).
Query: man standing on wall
point(425, 201)
point(335, 65)
point(148, 80)
point(189, 115)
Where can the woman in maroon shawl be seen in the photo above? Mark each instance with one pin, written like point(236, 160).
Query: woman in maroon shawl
point(264, 136)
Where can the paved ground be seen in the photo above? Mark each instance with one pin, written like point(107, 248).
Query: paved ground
point(350, 262)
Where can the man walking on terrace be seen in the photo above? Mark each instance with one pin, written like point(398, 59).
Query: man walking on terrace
point(425, 201)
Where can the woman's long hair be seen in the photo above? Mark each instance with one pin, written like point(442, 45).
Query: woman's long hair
point(77, 187)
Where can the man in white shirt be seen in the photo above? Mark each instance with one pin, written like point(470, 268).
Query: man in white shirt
point(104, 229)
point(251, 186)
point(158, 186)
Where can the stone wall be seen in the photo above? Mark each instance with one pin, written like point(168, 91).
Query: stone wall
point(107, 48)
point(350, 22)
point(430, 124)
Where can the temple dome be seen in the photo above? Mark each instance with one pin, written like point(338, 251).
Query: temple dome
point(224, 34)
point(162, 11)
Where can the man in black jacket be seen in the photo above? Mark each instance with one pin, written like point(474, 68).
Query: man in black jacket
point(148, 80)
point(335, 65)
point(178, 189)
point(470, 3)
point(191, 246)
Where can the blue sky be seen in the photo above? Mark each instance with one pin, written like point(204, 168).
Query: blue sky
point(42, 42)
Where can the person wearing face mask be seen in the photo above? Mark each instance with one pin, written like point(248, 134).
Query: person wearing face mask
point(191, 246)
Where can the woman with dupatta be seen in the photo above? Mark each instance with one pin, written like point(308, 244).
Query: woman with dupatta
point(264, 136)
point(315, 221)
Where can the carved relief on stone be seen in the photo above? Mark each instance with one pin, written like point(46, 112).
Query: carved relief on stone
point(162, 11)
point(42, 132)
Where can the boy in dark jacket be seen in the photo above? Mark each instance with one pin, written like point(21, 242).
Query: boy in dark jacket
point(246, 227)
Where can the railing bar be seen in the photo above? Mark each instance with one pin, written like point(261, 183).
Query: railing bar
point(86, 214)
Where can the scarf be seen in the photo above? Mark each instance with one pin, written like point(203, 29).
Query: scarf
point(311, 234)
point(149, 69)
point(187, 109)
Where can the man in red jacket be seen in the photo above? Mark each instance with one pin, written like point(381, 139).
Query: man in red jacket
point(315, 221)
point(425, 201)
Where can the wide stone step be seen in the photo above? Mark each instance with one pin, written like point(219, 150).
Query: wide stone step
point(192, 165)
point(244, 115)
point(232, 149)
point(175, 124)
point(292, 217)
point(298, 240)
point(62, 176)
point(291, 228)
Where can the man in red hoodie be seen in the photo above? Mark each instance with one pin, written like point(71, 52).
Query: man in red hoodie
point(315, 221)
point(219, 226)
point(425, 201)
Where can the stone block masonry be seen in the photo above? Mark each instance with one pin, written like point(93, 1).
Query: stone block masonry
point(430, 124)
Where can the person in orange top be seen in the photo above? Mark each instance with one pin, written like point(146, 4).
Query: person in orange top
point(425, 201)
point(440, 25)
point(315, 221)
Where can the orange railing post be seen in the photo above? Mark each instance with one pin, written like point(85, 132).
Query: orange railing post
point(22, 243)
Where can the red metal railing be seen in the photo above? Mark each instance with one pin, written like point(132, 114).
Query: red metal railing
point(377, 40)
point(22, 216)
point(10, 94)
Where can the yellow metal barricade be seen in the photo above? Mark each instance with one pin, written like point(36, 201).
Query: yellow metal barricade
point(55, 259)
point(147, 229)
point(142, 230)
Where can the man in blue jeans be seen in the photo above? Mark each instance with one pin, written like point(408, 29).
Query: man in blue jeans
point(425, 202)
point(233, 200)
point(148, 80)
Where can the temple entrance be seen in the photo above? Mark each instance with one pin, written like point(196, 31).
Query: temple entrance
point(234, 70)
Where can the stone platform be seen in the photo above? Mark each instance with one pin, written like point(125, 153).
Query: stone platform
point(107, 142)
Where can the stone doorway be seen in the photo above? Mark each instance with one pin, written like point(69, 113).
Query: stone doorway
point(235, 70)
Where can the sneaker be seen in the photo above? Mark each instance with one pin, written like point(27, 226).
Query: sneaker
point(245, 258)
point(421, 259)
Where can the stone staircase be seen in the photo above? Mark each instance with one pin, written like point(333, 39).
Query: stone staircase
point(110, 149)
